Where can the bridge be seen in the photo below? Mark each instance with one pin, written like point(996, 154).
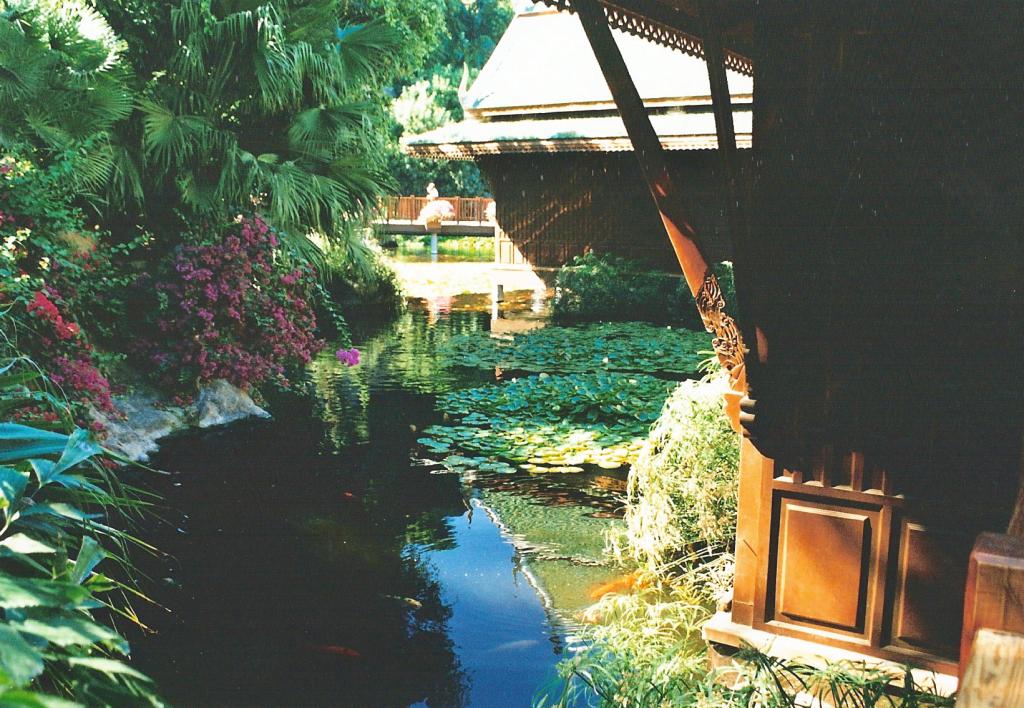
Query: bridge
point(469, 216)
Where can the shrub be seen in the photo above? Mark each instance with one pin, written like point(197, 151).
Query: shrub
point(604, 287)
point(232, 306)
point(643, 648)
point(53, 275)
point(359, 275)
point(63, 556)
point(682, 488)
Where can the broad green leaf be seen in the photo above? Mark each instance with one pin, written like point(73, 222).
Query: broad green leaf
point(20, 543)
point(89, 556)
point(12, 485)
point(107, 666)
point(80, 447)
point(29, 592)
point(18, 660)
point(70, 629)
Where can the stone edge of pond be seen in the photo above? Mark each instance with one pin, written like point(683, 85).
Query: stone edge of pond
point(145, 416)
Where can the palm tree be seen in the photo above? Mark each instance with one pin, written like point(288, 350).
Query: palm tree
point(63, 88)
point(267, 102)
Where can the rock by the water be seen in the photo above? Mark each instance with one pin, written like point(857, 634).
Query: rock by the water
point(219, 403)
point(144, 416)
point(144, 421)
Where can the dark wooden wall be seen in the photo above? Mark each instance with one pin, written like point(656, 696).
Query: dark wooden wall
point(556, 206)
point(884, 269)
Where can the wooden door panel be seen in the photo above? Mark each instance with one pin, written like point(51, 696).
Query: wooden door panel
point(827, 561)
point(931, 572)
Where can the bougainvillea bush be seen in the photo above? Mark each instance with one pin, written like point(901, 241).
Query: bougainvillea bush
point(232, 304)
point(52, 272)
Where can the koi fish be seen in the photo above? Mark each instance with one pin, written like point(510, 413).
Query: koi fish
point(610, 483)
point(626, 582)
point(410, 601)
point(335, 649)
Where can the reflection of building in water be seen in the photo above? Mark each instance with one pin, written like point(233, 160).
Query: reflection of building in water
point(541, 124)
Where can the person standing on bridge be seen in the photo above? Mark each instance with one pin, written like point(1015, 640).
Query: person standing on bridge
point(432, 192)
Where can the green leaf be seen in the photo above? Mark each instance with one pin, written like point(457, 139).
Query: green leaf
point(21, 442)
point(107, 666)
point(68, 629)
point(80, 447)
point(28, 592)
point(18, 660)
point(89, 556)
point(30, 699)
point(12, 486)
point(20, 543)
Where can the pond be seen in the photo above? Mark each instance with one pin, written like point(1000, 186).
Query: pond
point(321, 558)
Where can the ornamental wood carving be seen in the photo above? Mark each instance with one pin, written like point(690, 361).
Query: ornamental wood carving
point(728, 342)
point(650, 29)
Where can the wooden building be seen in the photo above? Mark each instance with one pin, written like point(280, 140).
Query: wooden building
point(876, 354)
point(542, 126)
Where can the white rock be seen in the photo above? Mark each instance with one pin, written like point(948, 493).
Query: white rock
point(142, 422)
point(219, 403)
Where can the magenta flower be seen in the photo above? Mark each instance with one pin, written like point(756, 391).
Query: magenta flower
point(349, 357)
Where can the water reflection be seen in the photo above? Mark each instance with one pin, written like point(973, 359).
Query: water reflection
point(316, 561)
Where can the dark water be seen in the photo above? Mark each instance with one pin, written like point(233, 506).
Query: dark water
point(315, 559)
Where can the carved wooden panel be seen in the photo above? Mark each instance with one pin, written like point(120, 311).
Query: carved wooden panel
point(931, 571)
point(826, 564)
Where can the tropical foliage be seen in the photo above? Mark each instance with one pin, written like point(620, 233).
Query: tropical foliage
point(56, 274)
point(682, 488)
point(430, 96)
point(603, 287)
point(63, 561)
point(59, 54)
point(619, 346)
point(263, 101)
point(643, 640)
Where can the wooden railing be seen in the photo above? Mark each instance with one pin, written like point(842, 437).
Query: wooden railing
point(407, 209)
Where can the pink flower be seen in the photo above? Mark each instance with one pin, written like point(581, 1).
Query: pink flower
point(349, 357)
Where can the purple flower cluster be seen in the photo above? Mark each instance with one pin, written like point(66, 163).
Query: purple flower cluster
point(232, 310)
point(349, 357)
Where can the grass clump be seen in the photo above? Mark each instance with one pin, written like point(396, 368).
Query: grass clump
point(681, 493)
point(611, 346)
point(66, 577)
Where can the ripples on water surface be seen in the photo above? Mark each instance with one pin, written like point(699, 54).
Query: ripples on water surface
point(319, 561)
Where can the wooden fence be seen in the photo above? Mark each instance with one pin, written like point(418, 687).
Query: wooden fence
point(407, 209)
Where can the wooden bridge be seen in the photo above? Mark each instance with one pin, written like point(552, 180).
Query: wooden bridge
point(470, 216)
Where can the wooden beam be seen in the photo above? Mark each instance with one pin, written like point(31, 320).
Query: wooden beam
point(995, 674)
point(739, 228)
point(668, 198)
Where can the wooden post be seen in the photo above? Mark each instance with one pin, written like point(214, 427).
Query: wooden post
point(668, 198)
point(645, 142)
point(725, 130)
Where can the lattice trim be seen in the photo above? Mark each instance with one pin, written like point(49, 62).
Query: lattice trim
point(628, 21)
